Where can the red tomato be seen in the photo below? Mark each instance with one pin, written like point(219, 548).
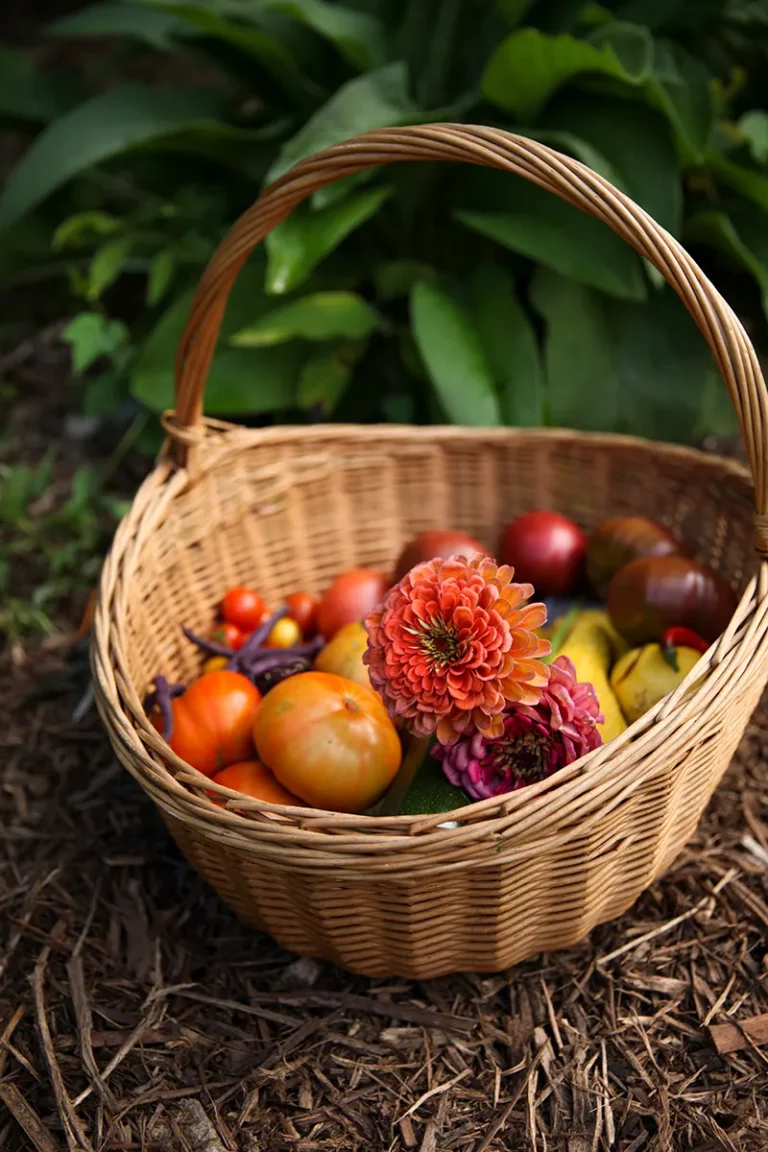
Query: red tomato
point(351, 597)
point(546, 550)
point(302, 607)
point(213, 721)
point(328, 740)
point(230, 635)
point(252, 779)
point(244, 608)
point(431, 544)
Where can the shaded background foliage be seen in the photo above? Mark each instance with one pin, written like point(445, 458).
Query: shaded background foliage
point(414, 292)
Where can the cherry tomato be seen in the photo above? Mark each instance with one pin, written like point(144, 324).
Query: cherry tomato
point(244, 608)
point(215, 664)
point(351, 597)
point(344, 654)
point(546, 550)
point(252, 779)
point(213, 721)
point(230, 635)
point(302, 607)
point(328, 740)
point(431, 544)
point(284, 633)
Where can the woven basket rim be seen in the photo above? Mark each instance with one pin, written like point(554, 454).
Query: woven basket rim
point(183, 791)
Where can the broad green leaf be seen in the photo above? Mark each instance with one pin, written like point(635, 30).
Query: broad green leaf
point(298, 245)
point(636, 143)
point(99, 129)
point(509, 343)
point(566, 240)
point(160, 276)
point(91, 336)
point(360, 36)
point(450, 346)
point(397, 277)
point(323, 380)
point(256, 39)
point(754, 129)
point(116, 18)
point(748, 181)
point(680, 88)
point(241, 379)
point(377, 100)
point(742, 236)
point(322, 316)
point(529, 65)
point(107, 264)
point(30, 95)
point(618, 366)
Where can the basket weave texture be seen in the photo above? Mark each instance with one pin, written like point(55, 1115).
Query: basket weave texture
point(292, 507)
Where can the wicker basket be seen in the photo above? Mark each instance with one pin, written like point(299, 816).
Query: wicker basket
point(291, 507)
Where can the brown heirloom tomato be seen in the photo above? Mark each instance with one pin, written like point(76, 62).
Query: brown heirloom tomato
point(328, 740)
point(213, 721)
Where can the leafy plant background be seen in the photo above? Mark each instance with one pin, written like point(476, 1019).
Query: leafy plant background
point(411, 293)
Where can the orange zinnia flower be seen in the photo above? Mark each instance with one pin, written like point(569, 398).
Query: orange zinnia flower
point(453, 644)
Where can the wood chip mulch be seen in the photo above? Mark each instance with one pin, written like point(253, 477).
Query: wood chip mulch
point(136, 1013)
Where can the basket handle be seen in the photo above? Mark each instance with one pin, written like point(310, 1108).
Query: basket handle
point(491, 148)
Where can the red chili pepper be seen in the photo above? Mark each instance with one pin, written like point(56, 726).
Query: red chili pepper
point(683, 638)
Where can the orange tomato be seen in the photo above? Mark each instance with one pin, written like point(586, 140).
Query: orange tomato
point(284, 634)
point(351, 597)
point(252, 779)
point(213, 721)
point(328, 740)
point(344, 654)
point(302, 607)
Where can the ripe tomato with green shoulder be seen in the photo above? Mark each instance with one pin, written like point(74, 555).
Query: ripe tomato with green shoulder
point(328, 740)
point(213, 721)
point(254, 779)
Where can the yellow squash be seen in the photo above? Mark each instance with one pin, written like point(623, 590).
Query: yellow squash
point(593, 644)
point(645, 675)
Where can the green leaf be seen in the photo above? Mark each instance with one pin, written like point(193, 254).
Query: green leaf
point(106, 265)
point(509, 343)
point(359, 36)
point(565, 239)
point(91, 336)
point(617, 366)
point(529, 65)
point(298, 245)
point(754, 129)
point(29, 95)
point(636, 143)
point(115, 18)
point(241, 380)
point(99, 129)
point(377, 100)
point(452, 351)
point(322, 316)
point(741, 235)
point(323, 380)
point(257, 39)
point(748, 181)
point(680, 88)
point(160, 276)
point(83, 227)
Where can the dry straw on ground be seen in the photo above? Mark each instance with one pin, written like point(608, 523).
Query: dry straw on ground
point(135, 1013)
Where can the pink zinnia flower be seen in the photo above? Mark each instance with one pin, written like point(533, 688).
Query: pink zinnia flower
point(453, 644)
point(536, 741)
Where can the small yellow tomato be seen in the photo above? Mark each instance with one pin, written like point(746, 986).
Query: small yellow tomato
point(215, 664)
point(284, 634)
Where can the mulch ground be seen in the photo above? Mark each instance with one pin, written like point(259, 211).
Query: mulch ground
point(136, 1013)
